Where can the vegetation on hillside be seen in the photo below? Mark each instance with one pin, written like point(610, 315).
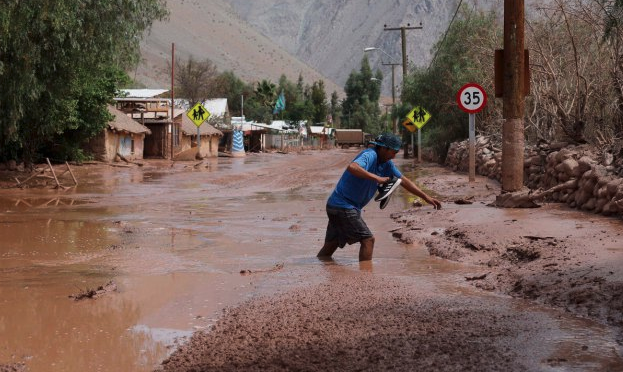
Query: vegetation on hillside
point(576, 66)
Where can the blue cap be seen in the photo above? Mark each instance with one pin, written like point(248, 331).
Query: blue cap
point(388, 140)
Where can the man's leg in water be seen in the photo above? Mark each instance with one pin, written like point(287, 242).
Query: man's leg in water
point(328, 249)
point(367, 246)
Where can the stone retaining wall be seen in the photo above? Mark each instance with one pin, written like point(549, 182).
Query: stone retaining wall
point(593, 179)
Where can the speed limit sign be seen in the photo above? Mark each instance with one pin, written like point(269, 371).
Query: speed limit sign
point(471, 98)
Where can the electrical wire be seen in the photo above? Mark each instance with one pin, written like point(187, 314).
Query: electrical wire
point(445, 34)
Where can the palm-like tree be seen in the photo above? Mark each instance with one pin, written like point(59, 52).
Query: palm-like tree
point(266, 93)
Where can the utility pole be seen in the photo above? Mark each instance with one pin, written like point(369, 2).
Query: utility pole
point(172, 96)
point(403, 39)
point(513, 86)
point(395, 127)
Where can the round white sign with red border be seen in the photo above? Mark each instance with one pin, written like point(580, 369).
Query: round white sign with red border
point(471, 98)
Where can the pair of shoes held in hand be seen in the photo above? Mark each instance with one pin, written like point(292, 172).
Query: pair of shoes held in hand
point(385, 191)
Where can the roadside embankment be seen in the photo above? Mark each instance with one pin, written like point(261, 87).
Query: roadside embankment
point(585, 177)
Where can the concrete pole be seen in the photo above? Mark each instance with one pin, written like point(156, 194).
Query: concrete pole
point(513, 108)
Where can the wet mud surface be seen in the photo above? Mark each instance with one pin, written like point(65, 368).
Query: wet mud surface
point(553, 255)
point(225, 250)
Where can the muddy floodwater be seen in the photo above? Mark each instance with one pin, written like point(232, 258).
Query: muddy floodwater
point(170, 246)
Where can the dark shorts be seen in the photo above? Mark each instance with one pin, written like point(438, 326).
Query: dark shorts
point(346, 226)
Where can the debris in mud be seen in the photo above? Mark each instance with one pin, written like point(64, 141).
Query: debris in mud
point(463, 201)
point(295, 227)
point(479, 277)
point(521, 254)
point(15, 367)
point(531, 237)
point(94, 293)
point(277, 267)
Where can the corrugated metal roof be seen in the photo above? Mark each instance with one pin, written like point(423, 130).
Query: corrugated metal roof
point(143, 93)
point(317, 129)
point(216, 106)
point(122, 122)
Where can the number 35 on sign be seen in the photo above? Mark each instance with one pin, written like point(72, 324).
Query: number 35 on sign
point(471, 98)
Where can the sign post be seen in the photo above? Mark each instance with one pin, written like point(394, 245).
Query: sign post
point(198, 114)
point(472, 98)
point(417, 117)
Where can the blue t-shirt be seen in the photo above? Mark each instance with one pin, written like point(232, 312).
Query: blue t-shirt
point(354, 192)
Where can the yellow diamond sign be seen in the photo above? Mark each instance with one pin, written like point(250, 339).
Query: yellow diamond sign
point(198, 114)
point(409, 125)
point(419, 116)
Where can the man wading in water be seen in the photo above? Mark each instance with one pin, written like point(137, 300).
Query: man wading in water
point(372, 169)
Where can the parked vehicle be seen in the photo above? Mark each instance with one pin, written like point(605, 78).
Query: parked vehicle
point(349, 137)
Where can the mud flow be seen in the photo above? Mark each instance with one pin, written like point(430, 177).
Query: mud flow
point(115, 274)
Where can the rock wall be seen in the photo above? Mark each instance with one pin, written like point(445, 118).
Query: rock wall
point(593, 178)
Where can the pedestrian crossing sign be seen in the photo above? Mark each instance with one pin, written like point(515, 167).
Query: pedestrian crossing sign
point(419, 116)
point(198, 114)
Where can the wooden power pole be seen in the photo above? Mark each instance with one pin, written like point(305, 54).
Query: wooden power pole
point(403, 39)
point(514, 90)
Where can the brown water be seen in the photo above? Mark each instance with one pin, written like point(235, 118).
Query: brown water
point(174, 239)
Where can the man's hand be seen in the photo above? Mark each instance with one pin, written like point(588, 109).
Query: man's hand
point(382, 180)
point(434, 202)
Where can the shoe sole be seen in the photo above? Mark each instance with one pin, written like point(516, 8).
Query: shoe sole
point(384, 203)
point(398, 181)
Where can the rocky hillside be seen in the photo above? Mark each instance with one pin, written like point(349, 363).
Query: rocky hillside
point(213, 30)
point(330, 35)
point(318, 38)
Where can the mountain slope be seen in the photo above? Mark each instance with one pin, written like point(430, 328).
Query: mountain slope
point(213, 30)
point(322, 39)
point(330, 35)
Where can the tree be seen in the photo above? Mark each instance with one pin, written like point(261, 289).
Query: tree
point(362, 93)
point(266, 93)
point(335, 109)
point(196, 80)
point(319, 101)
point(455, 63)
point(60, 62)
point(228, 85)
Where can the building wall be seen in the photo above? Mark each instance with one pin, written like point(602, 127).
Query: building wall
point(121, 142)
point(209, 145)
point(104, 146)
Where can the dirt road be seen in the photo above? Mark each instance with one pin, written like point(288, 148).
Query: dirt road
point(227, 250)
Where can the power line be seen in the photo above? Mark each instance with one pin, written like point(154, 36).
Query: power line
point(446, 33)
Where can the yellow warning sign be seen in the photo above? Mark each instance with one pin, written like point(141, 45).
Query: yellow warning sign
point(409, 125)
point(198, 114)
point(419, 116)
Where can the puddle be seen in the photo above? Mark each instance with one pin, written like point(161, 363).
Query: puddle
point(175, 244)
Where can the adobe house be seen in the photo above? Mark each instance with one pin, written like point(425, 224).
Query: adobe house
point(210, 136)
point(122, 136)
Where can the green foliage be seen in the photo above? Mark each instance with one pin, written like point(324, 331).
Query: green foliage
point(435, 87)
point(58, 60)
point(266, 93)
point(319, 102)
point(229, 86)
point(360, 109)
